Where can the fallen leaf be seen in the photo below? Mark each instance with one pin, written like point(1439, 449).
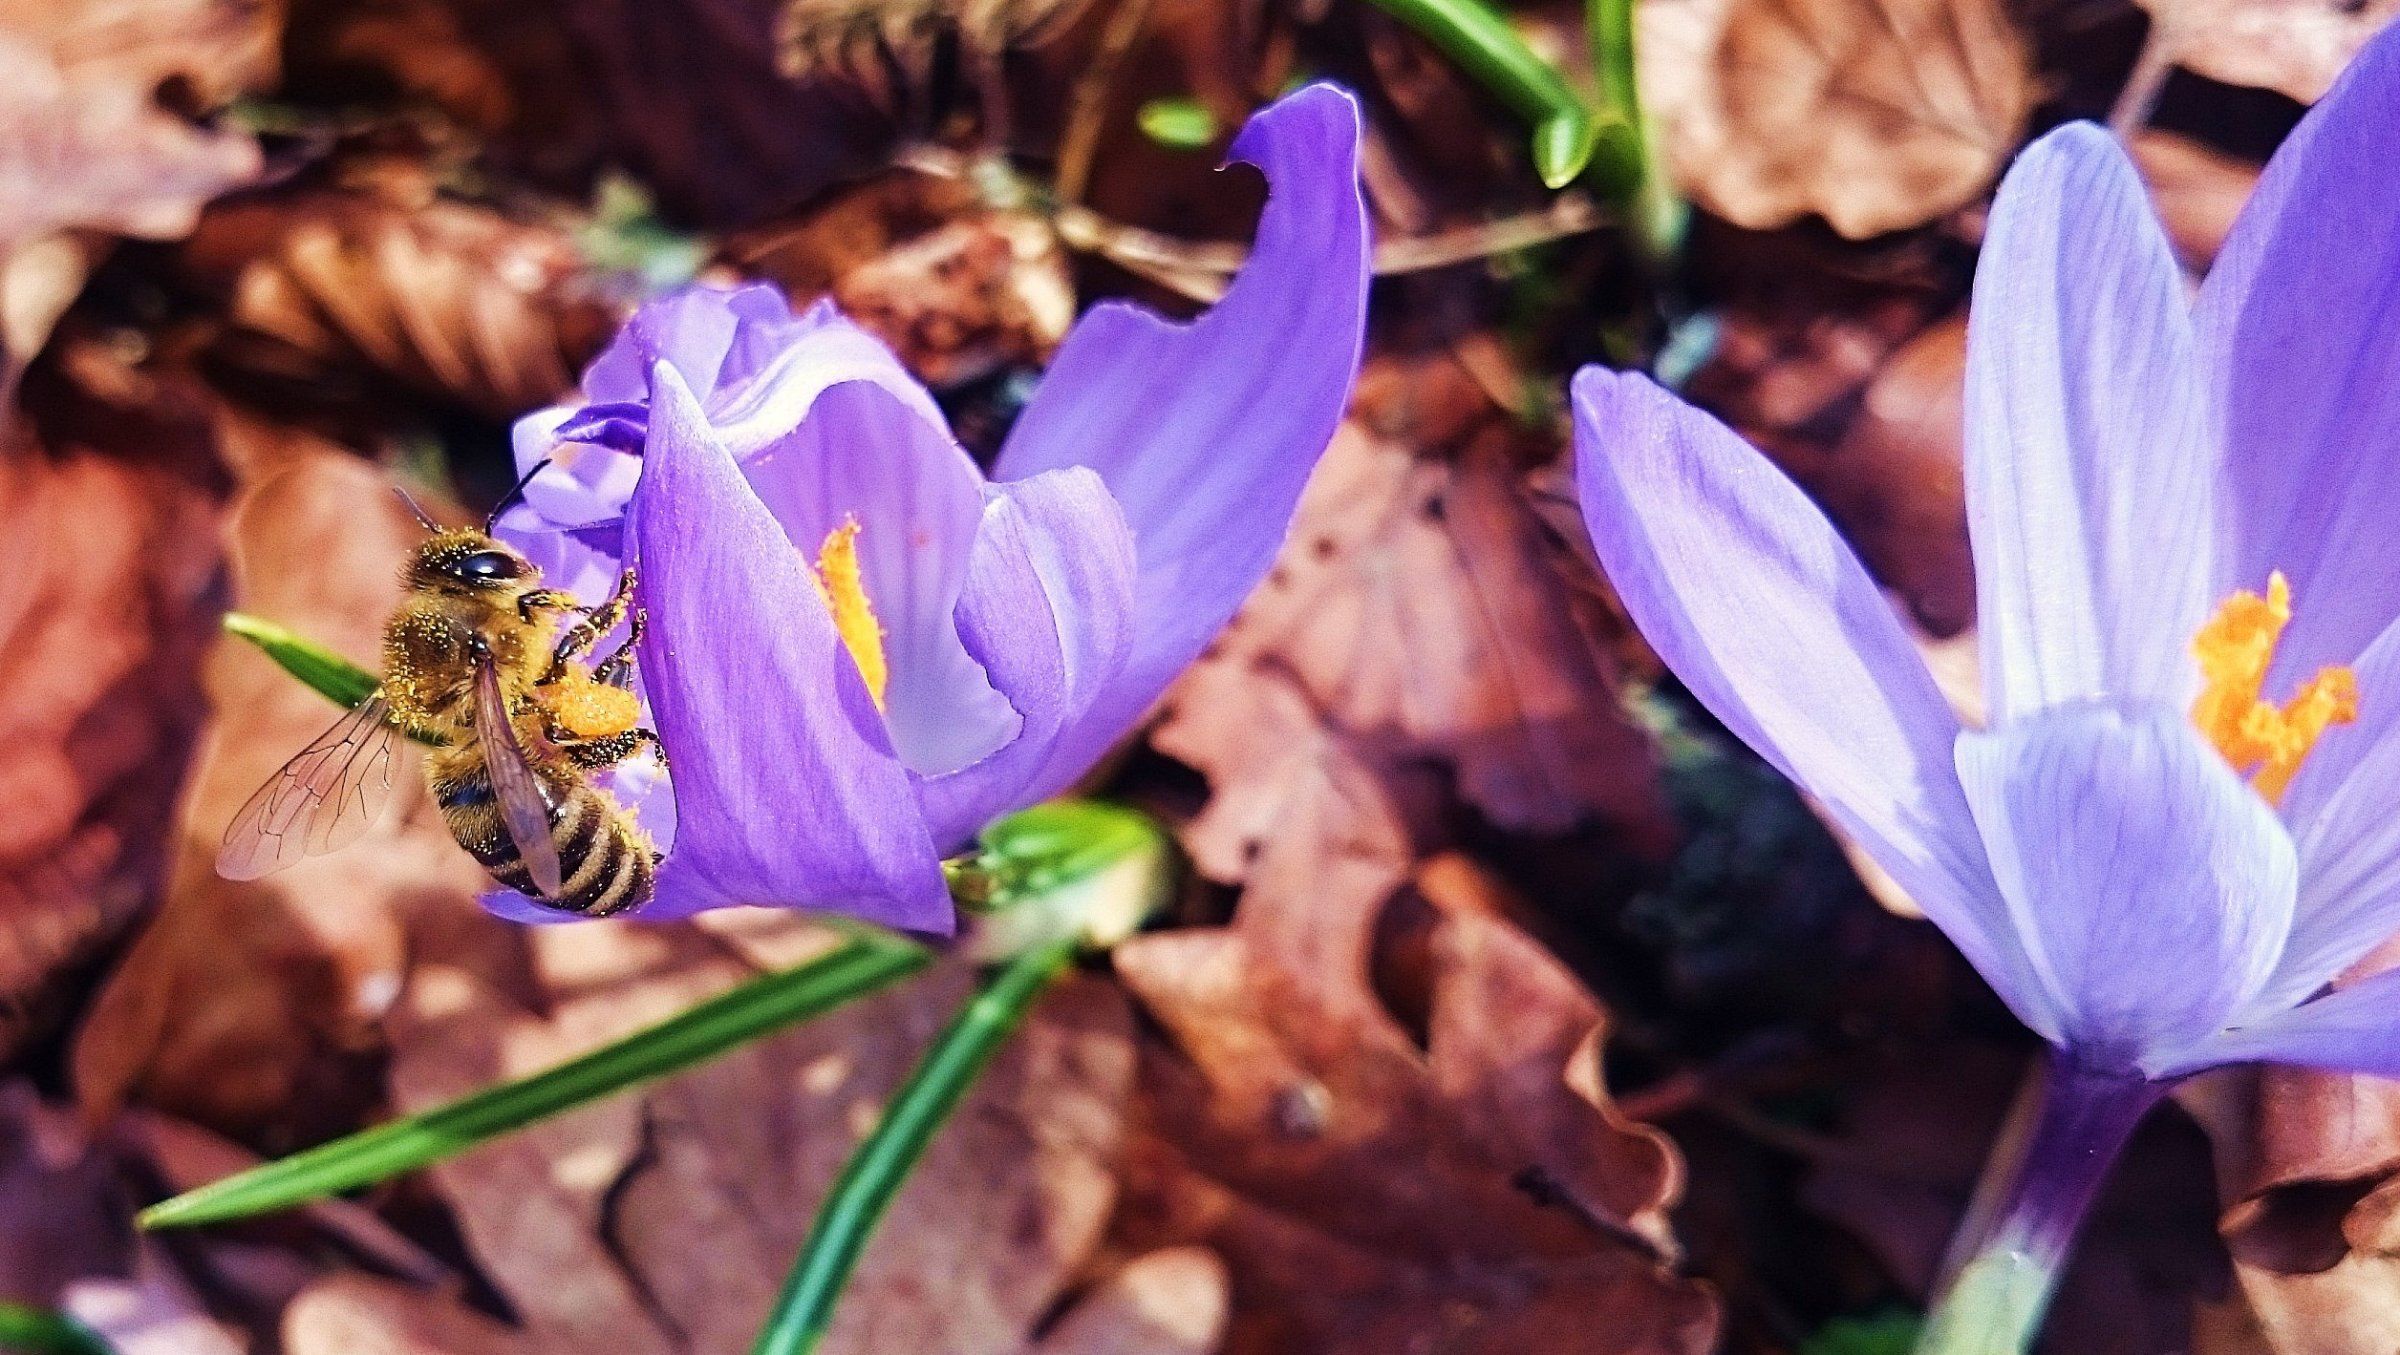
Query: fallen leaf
point(665, 1220)
point(1422, 615)
point(1271, 1133)
point(88, 153)
point(960, 290)
point(358, 1315)
point(111, 587)
point(256, 1008)
point(350, 294)
point(2198, 192)
point(2308, 1170)
point(1877, 115)
point(2295, 47)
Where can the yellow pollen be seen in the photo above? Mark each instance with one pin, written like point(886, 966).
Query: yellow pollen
point(2263, 741)
point(845, 590)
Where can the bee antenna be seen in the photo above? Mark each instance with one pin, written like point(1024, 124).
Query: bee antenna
point(511, 496)
point(419, 513)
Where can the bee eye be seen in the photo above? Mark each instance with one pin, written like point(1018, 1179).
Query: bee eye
point(488, 566)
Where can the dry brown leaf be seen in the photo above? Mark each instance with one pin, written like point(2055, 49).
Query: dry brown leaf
point(958, 289)
point(86, 150)
point(2308, 1169)
point(256, 1008)
point(2295, 47)
point(1419, 616)
point(356, 1315)
point(108, 599)
point(1874, 114)
point(1373, 1196)
point(665, 1221)
point(341, 295)
point(2198, 191)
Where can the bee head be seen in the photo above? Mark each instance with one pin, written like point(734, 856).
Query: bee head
point(467, 561)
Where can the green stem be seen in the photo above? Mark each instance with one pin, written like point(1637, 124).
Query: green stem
point(861, 965)
point(1479, 40)
point(881, 1164)
point(1656, 216)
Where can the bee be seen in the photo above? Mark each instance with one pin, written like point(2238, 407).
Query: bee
point(520, 719)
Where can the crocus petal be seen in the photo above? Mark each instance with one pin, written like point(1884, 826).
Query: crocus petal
point(1206, 432)
point(2299, 342)
point(2340, 811)
point(2088, 481)
point(2352, 1030)
point(2151, 886)
point(1757, 604)
point(859, 453)
point(1048, 607)
point(786, 787)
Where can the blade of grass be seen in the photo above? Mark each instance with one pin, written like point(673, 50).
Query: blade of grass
point(881, 1164)
point(335, 677)
point(29, 1330)
point(862, 964)
point(1478, 39)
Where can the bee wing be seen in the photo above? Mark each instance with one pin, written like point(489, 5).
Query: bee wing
point(524, 807)
point(329, 793)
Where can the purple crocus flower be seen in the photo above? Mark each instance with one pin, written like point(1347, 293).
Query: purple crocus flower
point(860, 649)
point(2176, 832)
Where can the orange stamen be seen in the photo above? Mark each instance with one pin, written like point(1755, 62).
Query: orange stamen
point(845, 588)
point(2263, 741)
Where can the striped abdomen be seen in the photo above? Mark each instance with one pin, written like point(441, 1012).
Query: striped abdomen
point(604, 858)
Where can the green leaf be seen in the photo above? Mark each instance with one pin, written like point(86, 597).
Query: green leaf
point(880, 1166)
point(1887, 1333)
point(862, 964)
point(1183, 124)
point(1064, 868)
point(29, 1330)
point(1481, 41)
point(336, 678)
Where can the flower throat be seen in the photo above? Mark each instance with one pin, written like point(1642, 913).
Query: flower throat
point(2264, 741)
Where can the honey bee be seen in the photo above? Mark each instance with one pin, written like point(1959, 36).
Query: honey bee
point(519, 718)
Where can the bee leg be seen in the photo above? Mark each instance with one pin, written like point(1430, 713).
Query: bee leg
point(601, 753)
point(596, 622)
point(617, 669)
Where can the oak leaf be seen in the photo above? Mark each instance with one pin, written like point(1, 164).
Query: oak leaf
point(2295, 47)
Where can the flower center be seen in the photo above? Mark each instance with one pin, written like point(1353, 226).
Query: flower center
point(845, 590)
point(2263, 741)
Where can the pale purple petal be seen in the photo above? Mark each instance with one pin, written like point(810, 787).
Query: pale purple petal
point(2300, 341)
point(2352, 1030)
point(1750, 596)
point(858, 452)
point(1049, 609)
point(1206, 432)
point(2088, 480)
point(2340, 808)
point(2151, 886)
point(787, 791)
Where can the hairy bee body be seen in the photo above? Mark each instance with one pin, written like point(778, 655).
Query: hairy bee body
point(433, 647)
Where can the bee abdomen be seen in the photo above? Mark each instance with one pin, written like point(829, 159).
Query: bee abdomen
point(605, 863)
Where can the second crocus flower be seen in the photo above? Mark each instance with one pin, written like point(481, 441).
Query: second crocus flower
point(2176, 832)
point(860, 649)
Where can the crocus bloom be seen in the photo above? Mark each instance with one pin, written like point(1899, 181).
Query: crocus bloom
point(2176, 829)
point(859, 649)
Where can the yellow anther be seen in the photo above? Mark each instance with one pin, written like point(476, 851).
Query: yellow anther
point(845, 590)
point(2262, 740)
